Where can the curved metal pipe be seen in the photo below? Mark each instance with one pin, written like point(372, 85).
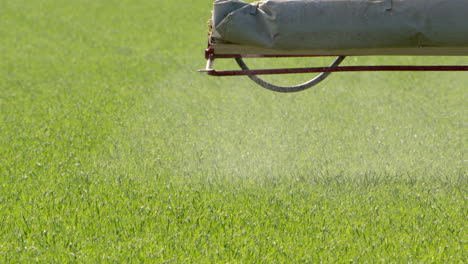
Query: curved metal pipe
point(289, 89)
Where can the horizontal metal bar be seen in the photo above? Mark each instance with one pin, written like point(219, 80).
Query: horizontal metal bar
point(210, 52)
point(336, 69)
point(235, 56)
point(219, 49)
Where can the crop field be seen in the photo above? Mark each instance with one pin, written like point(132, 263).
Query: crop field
point(113, 149)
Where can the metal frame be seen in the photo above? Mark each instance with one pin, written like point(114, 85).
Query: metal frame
point(210, 56)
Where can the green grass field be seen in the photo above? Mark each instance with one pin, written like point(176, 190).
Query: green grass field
point(113, 149)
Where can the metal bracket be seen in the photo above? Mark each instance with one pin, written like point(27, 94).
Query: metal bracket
point(209, 65)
